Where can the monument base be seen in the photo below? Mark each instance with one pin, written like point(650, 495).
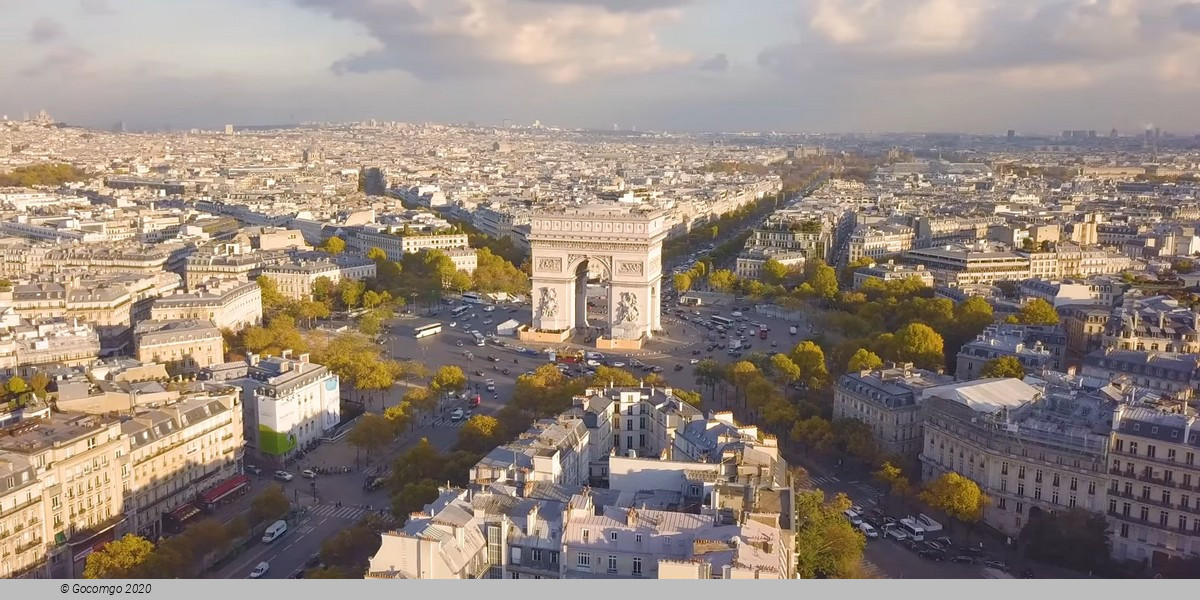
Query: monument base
point(606, 343)
point(529, 334)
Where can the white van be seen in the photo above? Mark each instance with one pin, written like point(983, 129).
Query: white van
point(273, 532)
point(868, 531)
point(853, 517)
point(735, 314)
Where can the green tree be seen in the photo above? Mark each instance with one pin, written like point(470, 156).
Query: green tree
point(1073, 538)
point(814, 434)
point(722, 280)
point(420, 399)
point(855, 438)
point(372, 299)
point(784, 370)
point(39, 383)
point(272, 300)
point(118, 559)
point(919, 344)
point(742, 374)
point(399, 416)
point(413, 497)
point(350, 292)
point(864, 360)
point(269, 505)
point(827, 545)
point(709, 373)
point(615, 377)
point(823, 280)
point(895, 483)
point(377, 254)
point(16, 386)
point(1003, 366)
point(689, 397)
point(810, 359)
point(774, 272)
point(333, 245)
point(1038, 312)
point(682, 282)
point(323, 291)
point(449, 378)
point(372, 433)
point(958, 497)
point(371, 323)
point(699, 269)
point(351, 549)
point(973, 315)
point(479, 434)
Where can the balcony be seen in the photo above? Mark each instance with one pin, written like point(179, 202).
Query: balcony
point(30, 545)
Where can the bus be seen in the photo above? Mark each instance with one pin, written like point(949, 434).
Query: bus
point(427, 330)
point(459, 311)
point(719, 320)
point(762, 332)
point(910, 527)
point(472, 298)
point(479, 339)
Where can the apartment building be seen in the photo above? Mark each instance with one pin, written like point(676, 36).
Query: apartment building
point(811, 237)
point(1037, 349)
point(228, 304)
point(28, 346)
point(80, 462)
point(288, 403)
point(1154, 482)
point(295, 280)
point(751, 260)
point(396, 243)
point(877, 240)
point(631, 421)
point(931, 232)
point(184, 347)
point(552, 450)
point(1155, 323)
point(958, 267)
point(498, 220)
point(1027, 449)
point(1164, 372)
point(227, 261)
point(890, 271)
point(889, 401)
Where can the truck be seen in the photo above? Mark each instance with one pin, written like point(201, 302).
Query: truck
point(792, 330)
point(734, 346)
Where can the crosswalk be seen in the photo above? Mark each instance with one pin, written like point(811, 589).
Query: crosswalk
point(449, 423)
point(823, 479)
point(349, 513)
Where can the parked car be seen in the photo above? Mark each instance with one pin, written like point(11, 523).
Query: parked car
point(931, 554)
point(478, 373)
point(309, 474)
point(680, 367)
point(965, 559)
point(457, 415)
point(260, 569)
point(867, 530)
point(254, 469)
point(695, 352)
point(618, 364)
point(995, 564)
point(504, 371)
point(284, 476)
point(694, 361)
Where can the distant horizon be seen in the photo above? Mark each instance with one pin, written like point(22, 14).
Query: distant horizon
point(664, 65)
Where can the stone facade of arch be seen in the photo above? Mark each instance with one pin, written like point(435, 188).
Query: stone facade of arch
point(624, 243)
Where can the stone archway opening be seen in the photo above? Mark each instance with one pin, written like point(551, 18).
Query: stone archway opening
point(593, 296)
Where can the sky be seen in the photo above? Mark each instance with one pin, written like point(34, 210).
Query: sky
point(688, 65)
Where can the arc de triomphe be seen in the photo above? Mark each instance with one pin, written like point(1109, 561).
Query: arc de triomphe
point(624, 243)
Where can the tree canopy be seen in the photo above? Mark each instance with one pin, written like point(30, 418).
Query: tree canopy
point(827, 545)
point(118, 559)
point(1003, 366)
point(958, 497)
point(863, 360)
point(333, 245)
point(1073, 538)
point(1037, 312)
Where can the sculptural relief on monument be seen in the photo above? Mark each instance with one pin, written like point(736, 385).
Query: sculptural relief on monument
point(550, 265)
point(629, 268)
point(548, 303)
point(627, 308)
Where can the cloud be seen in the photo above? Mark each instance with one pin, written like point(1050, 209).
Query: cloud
point(718, 62)
point(560, 41)
point(45, 30)
point(66, 59)
point(96, 7)
point(913, 38)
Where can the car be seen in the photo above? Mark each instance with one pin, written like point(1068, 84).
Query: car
point(260, 569)
point(487, 321)
point(372, 483)
point(309, 474)
point(593, 362)
point(457, 415)
point(492, 359)
point(489, 308)
point(489, 381)
point(694, 361)
point(944, 541)
point(656, 369)
point(618, 364)
point(453, 324)
point(868, 530)
point(695, 352)
point(680, 367)
point(284, 476)
point(965, 559)
point(478, 373)
point(931, 554)
point(298, 573)
point(505, 371)
point(458, 343)
point(491, 387)
point(254, 469)
point(995, 564)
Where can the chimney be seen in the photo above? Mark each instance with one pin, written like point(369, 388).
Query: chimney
point(1162, 319)
point(286, 353)
point(252, 358)
point(304, 357)
point(631, 517)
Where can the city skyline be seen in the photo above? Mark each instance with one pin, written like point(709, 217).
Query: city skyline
point(687, 65)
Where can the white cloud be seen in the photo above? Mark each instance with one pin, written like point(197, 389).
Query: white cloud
point(561, 41)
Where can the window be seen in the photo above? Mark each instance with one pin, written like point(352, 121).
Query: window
point(1166, 497)
point(583, 559)
point(1021, 472)
point(612, 563)
point(1124, 530)
point(1182, 523)
point(1133, 447)
point(1126, 508)
point(1001, 504)
point(612, 535)
point(1054, 482)
point(1112, 505)
point(1071, 501)
point(1003, 485)
point(637, 565)
point(1037, 476)
point(1150, 450)
point(1074, 483)
point(587, 536)
point(1144, 513)
point(1020, 507)
point(1037, 492)
point(637, 537)
point(536, 555)
point(1171, 454)
point(1004, 468)
point(1184, 501)
point(515, 556)
point(1146, 492)
point(553, 558)
point(1163, 517)
point(1020, 489)
point(514, 575)
point(1054, 496)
